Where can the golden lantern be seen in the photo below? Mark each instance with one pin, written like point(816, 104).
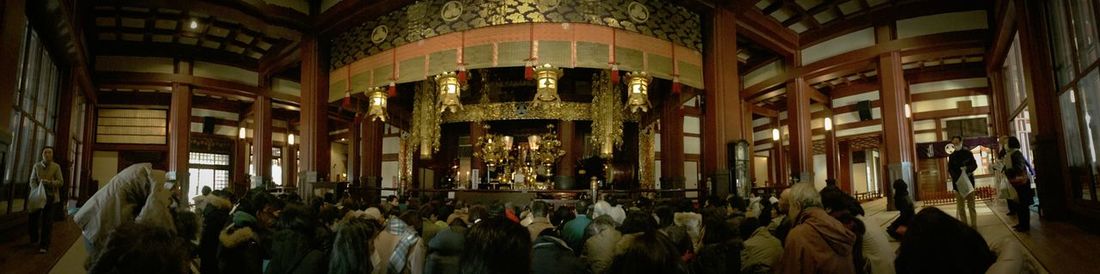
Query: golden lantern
point(377, 108)
point(449, 92)
point(638, 91)
point(533, 142)
point(546, 79)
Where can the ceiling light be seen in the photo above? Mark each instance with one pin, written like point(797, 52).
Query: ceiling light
point(828, 124)
point(638, 94)
point(241, 133)
point(290, 139)
point(775, 134)
point(194, 24)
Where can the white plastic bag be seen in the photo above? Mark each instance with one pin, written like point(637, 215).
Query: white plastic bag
point(37, 199)
point(1005, 189)
point(963, 186)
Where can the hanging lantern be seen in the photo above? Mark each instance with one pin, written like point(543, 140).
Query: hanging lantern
point(547, 86)
point(377, 109)
point(638, 91)
point(507, 141)
point(449, 92)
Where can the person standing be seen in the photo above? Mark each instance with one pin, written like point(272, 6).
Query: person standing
point(959, 160)
point(1018, 171)
point(47, 174)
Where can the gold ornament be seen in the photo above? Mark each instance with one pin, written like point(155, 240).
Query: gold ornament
point(426, 120)
point(607, 114)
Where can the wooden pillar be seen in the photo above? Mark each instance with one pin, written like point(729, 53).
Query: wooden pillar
point(370, 145)
point(897, 134)
point(179, 136)
point(672, 143)
point(725, 119)
point(564, 179)
point(355, 147)
point(1043, 106)
point(998, 112)
point(832, 155)
point(12, 30)
point(844, 167)
point(261, 140)
point(85, 187)
point(798, 127)
point(314, 115)
point(778, 158)
point(63, 134)
point(477, 130)
point(241, 180)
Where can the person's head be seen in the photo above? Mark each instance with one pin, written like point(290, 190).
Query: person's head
point(496, 245)
point(582, 208)
point(602, 223)
point(539, 209)
point(637, 221)
point(717, 230)
point(562, 215)
point(900, 187)
point(839, 201)
point(957, 141)
point(1013, 142)
point(47, 154)
point(830, 182)
point(803, 196)
point(784, 205)
point(352, 246)
point(647, 253)
point(478, 213)
point(141, 248)
point(748, 226)
point(935, 236)
point(206, 190)
point(665, 216)
point(1003, 141)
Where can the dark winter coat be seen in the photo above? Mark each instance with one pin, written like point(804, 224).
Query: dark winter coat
point(962, 157)
point(551, 255)
point(242, 250)
point(719, 258)
point(214, 217)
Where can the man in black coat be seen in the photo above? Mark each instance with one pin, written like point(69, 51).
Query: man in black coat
point(959, 160)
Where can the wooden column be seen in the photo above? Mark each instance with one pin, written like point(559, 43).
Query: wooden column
point(86, 187)
point(1043, 106)
point(63, 134)
point(314, 115)
point(179, 136)
point(998, 112)
point(798, 127)
point(778, 158)
point(477, 130)
point(355, 154)
point(832, 155)
point(261, 140)
point(672, 143)
point(724, 119)
point(11, 40)
point(844, 174)
point(241, 180)
point(565, 177)
point(897, 134)
point(370, 147)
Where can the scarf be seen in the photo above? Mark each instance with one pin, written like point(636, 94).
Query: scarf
point(407, 238)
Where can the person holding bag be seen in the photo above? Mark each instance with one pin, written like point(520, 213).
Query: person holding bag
point(45, 182)
point(1004, 188)
point(1018, 171)
point(961, 163)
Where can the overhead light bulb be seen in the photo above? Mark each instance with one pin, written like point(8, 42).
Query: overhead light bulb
point(194, 24)
point(775, 134)
point(290, 139)
point(241, 133)
point(828, 124)
point(908, 111)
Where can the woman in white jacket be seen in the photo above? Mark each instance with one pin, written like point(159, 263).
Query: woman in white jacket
point(136, 194)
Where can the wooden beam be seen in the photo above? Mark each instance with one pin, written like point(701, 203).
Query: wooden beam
point(763, 111)
point(1004, 20)
point(764, 30)
point(886, 13)
point(281, 21)
point(174, 50)
point(203, 85)
point(947, 113)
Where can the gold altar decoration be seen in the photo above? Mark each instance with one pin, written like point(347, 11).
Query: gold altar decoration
point(377, 110)
point(647, 161)
point(545, 149)
point(426, 120)
point(546, 77)
point(638, 85)
point(449, 92)
point(607, 116)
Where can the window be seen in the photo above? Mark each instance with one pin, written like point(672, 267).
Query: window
point(34, 112)
point(1063, 52)
point(1084, 28)
point(207, 170)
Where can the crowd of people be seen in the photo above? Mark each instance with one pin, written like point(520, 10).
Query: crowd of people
point(133, 226)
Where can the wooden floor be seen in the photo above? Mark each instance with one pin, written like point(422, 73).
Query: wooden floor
point(1060, 247)
point(19, 256)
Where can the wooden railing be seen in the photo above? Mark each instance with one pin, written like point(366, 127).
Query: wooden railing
point(868, 196)
point(948, 197)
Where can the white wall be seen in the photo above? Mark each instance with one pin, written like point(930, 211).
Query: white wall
point(940, 23)
point(859, 178)
point(104, 166)
point(760, 170)
point(339, 160)
point(821, 171)
point(836, 46)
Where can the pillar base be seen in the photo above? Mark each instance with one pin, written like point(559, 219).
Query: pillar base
point(720, 183)
point(903, 171)
point(305, 185)
point(184, 181)
point(565, 182)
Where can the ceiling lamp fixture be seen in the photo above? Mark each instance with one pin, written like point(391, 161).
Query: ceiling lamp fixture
point(775, 134)
point(533, 142)
point(377, 110)
point(194, 24)
point(638, 86)
point(290, 139)
point(828, 124)
point(546, 77)
point(449, 92)
point(908, 111)
point(241, 133)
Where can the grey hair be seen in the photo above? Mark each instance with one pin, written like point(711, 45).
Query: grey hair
point(806, 195)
